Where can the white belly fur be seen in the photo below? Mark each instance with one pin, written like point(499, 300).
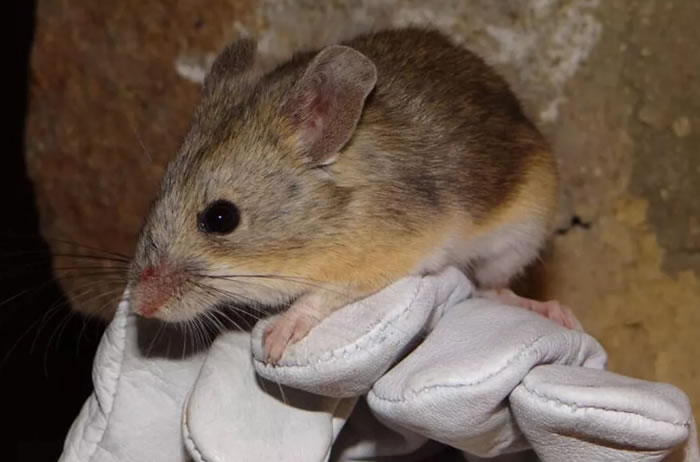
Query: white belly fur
point(494, 257)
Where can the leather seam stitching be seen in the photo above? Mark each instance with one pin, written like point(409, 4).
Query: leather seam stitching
point(195, 449)
point(544, 397)
point(113, 395)
point(515, 357)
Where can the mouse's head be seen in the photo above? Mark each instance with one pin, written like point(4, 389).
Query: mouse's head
point(250, 199)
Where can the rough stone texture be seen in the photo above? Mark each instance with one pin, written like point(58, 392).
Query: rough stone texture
point(614, 84)
point(107, 111)
point(633, 274)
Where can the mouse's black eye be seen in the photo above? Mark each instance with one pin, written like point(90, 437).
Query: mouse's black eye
point(220, 217)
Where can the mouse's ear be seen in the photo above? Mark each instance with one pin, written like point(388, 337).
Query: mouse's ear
point(326, 103)
point(235, 59)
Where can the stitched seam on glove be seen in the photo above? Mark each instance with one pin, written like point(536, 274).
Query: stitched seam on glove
point(121, 329)
point(355, 345)
point(527, 349)
point(195, 449)
point(574, 406)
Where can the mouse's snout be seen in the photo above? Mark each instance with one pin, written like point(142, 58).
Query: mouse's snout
point(152, 272)
point(155, 286)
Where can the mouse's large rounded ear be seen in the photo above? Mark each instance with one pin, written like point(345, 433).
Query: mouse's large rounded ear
point(326, 103)
point(235, 59)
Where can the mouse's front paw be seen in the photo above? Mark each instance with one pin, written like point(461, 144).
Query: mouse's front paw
point(288, 328)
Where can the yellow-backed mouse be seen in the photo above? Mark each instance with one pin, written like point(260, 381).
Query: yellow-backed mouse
point(339, 172)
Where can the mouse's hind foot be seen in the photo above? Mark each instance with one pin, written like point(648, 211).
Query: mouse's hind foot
point(552, 309)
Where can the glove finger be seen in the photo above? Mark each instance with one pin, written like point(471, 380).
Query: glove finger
point(233, 416)
point(454, 387)
point(142, 375)
point(345, 354)
point(600, 415)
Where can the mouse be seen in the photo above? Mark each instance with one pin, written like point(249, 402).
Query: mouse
point(318, 182)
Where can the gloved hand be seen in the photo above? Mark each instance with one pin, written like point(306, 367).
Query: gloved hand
point(433, 363)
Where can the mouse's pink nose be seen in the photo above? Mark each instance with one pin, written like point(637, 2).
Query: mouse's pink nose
point(156, 284)
point(150, 272)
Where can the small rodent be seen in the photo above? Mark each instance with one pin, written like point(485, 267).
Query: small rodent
point(339, 172)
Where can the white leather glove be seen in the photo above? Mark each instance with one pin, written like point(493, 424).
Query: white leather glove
point(433, 363)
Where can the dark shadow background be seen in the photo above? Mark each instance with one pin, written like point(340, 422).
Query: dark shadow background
point(44, 366)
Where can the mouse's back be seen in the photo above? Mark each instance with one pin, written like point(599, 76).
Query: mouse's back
point(449, 122)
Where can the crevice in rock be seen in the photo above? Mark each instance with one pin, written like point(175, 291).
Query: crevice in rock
point(575, 222)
